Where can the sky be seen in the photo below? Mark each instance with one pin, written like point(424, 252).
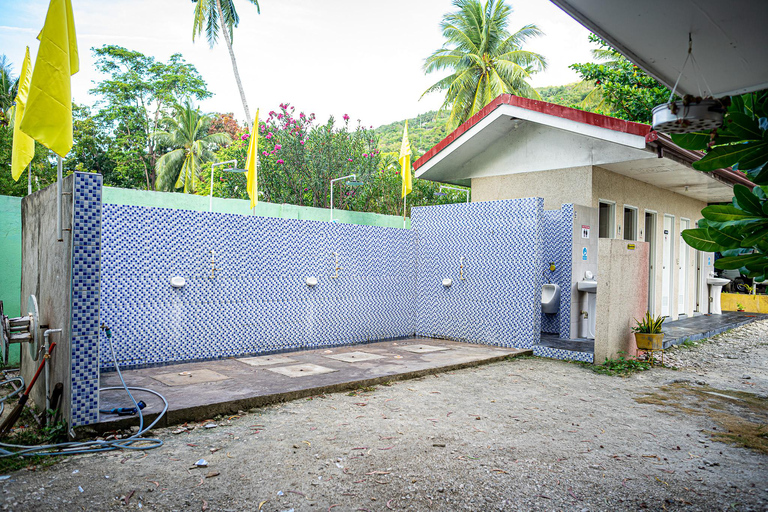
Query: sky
point(363, 58)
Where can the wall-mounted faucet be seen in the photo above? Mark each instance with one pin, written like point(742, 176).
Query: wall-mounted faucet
point(461, 269)
point(336, 264)
point(213, 264)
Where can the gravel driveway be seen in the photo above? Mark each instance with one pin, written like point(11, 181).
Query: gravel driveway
point(526, 434)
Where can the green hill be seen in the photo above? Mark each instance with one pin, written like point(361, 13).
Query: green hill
point(426, 130)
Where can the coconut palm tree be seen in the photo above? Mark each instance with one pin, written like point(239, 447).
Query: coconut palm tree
point(213, 16)
point(8, 85)
point(484, 58)
point(187, 133)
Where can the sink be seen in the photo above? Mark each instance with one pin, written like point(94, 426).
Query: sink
point(717, 284)
point(587, 286)
point(718, 281)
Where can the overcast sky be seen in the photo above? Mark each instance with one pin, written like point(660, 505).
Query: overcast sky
point(358, 57)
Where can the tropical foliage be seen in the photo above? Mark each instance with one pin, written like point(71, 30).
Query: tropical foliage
point(8, 84)
point(212, 16)
point(649, 324)
point(192, 146)
point(622, 89)
point(740, 230)
point(483, 57)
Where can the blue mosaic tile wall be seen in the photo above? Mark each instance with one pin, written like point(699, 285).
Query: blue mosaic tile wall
point(557, 248)
point(85, 298)
point(499, 300)
point(257, 300)
point(557, 353)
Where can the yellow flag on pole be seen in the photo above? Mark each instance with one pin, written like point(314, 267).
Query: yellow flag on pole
point(250, 162)
point(405, 162)
point(23, 145)
point(48, 114)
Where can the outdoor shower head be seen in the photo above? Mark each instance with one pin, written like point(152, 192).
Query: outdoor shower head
point(354, 183)
point(441, 194)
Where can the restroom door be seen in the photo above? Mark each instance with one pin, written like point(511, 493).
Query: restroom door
point(668, 260)
point(682, 292)
point(650, 237)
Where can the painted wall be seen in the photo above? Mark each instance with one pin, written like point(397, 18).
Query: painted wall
point(585, 259)
point(284, 211)
point(622, 292)
point(498, 301)
point(256, 300)
point(10, 256)
point(627, 191)
point(561, 186)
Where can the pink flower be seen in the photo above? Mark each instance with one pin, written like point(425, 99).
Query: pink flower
point(279, 116)
point(365, 155)
point(265, 153)
point(306, 190)
point(349, 159)
point(262, 127)
point(278, 146)
point(280, 161)
point(302, 142)
point(244, 136)
point(301, 115)
point(346, 117)
point(269, 135)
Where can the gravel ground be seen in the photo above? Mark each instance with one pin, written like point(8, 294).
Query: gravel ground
point(526, 434)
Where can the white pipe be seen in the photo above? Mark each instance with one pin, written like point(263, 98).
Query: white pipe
point(59, 206)
point(29, 179)
point(353, 176)
point(48, 373)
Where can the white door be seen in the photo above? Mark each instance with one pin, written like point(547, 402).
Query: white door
point(650, 237)
point(668, 248)
point(682, 291)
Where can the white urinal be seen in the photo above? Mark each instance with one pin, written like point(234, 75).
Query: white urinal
point(550, 298)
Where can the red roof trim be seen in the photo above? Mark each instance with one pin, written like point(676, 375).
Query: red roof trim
point(580, 116)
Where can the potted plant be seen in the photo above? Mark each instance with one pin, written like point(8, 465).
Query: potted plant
point(648, 335)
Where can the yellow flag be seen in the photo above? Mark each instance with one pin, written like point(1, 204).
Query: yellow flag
point(405, 162)
point(23, 145)
point(250, 162)
point(48, 114)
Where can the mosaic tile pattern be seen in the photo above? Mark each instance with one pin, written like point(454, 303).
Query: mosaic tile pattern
point(85, 294)
point(499, 300)
point(557, 247)
point(257, 301)
point(558, 353)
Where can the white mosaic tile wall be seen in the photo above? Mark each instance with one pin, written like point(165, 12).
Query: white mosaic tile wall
point(257, 300)
point(499, 300)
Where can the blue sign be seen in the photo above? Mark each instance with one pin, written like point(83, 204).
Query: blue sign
point(584, 254)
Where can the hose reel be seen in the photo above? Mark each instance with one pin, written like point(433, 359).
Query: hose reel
point(23, 329)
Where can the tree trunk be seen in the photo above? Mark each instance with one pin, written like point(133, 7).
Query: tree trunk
point(248, 119)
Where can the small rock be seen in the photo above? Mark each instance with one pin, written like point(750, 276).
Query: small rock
point(701, 382)
point(732, 356)
point(746, 377)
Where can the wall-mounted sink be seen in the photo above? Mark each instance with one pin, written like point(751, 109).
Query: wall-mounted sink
point(587, 286)
point(716, 284)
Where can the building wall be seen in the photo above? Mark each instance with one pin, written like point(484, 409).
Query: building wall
point(622, 290)
point(627, 191)
point(557, 187)
point(249, 295)
point(557, 249)
point(498, 301)
point(10, 256)
point(585, 259)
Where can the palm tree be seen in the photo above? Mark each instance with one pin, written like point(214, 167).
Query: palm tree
point(8, 85)
point(485, 59)
point(215, 15)
point(192, 145)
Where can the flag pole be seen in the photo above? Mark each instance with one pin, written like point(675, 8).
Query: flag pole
point(29, 179)
point(59, 172)
point(404, 198)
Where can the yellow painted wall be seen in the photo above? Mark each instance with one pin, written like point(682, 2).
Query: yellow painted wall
point(751, 303)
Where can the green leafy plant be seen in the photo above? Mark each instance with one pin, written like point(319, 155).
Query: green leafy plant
point(622, 366)
point(649, 324)
point(739, 306)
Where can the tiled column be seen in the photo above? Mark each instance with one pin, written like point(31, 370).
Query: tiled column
point(86, 279)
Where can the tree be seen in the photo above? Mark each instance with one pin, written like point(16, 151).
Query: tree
point(622, 89)
point(139, 92)
point(193, 146)
point(225, 123)
point(484, 58)
point(215, 15)
point(8, 86)
point(740, 230)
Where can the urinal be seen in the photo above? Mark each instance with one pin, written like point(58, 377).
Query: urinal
point(550, 298)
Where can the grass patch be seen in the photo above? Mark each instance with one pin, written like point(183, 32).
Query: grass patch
point(741, 417)
point(622, 366)
point(360, 391)
point(29, 433)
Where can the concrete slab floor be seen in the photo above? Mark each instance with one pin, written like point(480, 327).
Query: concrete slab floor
point(250, 384)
